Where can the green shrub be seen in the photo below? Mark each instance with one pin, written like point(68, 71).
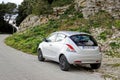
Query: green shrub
point(113, 53)
point(117, 24)
point(101, 19)
point(116, 65)
point(79, 15)
point(103, 36)
point(114, 45)
point(61, 2)
point(84, 29)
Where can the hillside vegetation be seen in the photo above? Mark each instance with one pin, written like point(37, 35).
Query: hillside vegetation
point(101, 26)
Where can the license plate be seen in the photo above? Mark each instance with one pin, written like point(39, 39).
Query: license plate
point(88, 47)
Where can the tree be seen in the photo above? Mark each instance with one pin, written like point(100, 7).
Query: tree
point(7, 10)
point(10, 10)
point(42, 8)
point(24, 10)
point(37, 7)
point(2, 10)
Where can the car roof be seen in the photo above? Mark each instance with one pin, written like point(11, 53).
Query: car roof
point(70, 33)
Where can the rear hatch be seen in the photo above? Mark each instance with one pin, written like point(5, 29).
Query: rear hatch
point(85, 43)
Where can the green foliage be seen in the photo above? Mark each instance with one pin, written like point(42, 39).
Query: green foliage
point(115, 45)
point(57, 3)
point(84, 29)
point(24, 10)
point(10, 8)
point(113, 53)
point(117, 24)
point(114, 48)
point(2, 10)
point(103, 36)
point(70, 10)
point(101, 19)
point(37, 7)
point(79, 15)
point(7, 8)
point(107, 76)
point(116, 65)
point(41, 7)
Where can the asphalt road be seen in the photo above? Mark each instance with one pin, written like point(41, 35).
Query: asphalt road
point(16, 65)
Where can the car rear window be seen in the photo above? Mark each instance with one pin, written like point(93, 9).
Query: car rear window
point(83, 40)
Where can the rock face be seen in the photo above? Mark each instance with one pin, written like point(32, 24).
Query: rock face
point(33, 20)
point(28, 22)
point(90, 7)
point(87, 7)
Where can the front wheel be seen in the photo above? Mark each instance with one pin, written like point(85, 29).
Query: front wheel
point(95, 66)
point(64, 65)
point(40, 55)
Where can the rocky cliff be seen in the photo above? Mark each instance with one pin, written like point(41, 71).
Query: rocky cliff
point(87, 7)
point(90, 7)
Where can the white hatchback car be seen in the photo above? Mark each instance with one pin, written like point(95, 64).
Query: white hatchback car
point(69, 47)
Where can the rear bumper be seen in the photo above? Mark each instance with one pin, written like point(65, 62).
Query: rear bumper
point(74, 58)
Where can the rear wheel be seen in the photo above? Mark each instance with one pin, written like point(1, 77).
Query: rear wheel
point(40, 55)
point(95, 66)
point(64, 65)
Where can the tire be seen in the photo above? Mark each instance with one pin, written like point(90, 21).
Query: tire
point(63, 63)
point(40, 55)
point(95, 66)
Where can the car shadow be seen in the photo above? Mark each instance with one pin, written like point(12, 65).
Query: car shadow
point(74, 68)
point(84, 68)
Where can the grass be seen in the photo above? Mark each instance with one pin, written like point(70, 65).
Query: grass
point(114, 45)
point(103, 36)
point(117, 24)
point(109, 76)
point(113, 53)
point(116, 65)
point(28, 41)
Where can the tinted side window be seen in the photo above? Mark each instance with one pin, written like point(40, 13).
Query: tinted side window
point(60, 37)
point(84, 40)
point(52, 38)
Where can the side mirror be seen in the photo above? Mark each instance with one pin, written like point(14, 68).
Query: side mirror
point(45, 40)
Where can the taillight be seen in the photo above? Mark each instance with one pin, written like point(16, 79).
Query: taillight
point(70, 48)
